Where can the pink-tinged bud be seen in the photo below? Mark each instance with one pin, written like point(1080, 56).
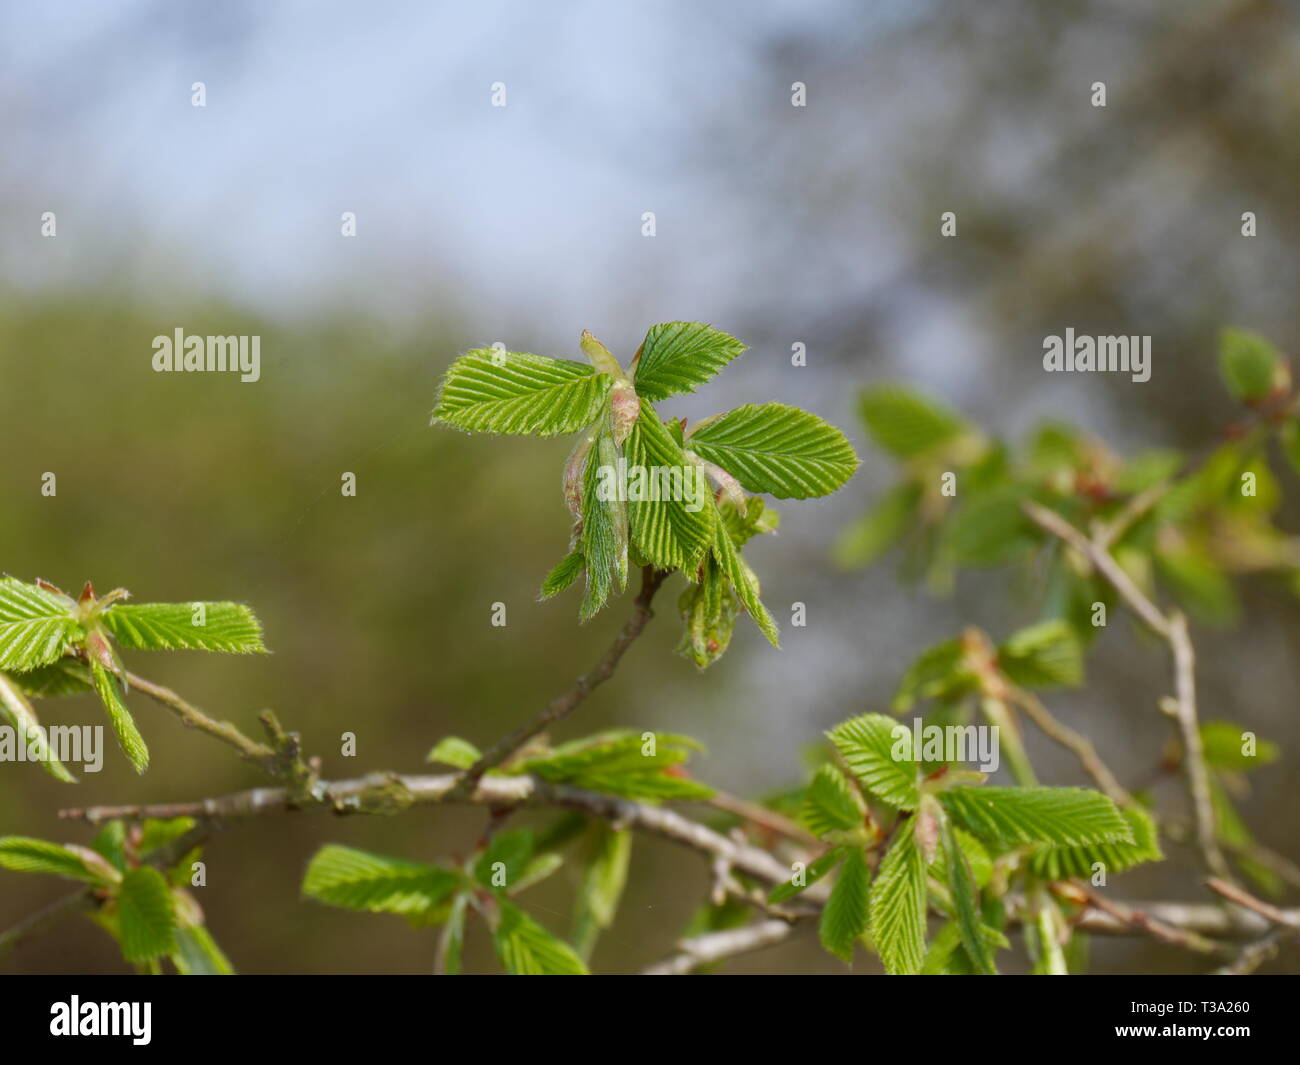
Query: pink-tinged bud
point(624, 410)
point(729, 489)
point(574, 468)
point(600, 356)
point(97, 647)
point(87, 593)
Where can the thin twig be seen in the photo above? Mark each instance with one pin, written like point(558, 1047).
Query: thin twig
point(1144, 921)
point(561, 706)
point(1073, 741)
point(762, 817)
point(192, 717)
point(1172, 628)
point(719, 946)
point(1241, 897)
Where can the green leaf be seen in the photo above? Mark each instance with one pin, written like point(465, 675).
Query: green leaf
point(453, 751)
point(1066, 816)
point(358, 880)
point(157, 833)
point(110, 844)
point(830, 803)
point(898, 903)
point(602, 887)
point(505, 859)
point(1064, 863)
point(876, 531)
point(743, 583)
point(604, 531)
point(965, 901)
point(990, 531)
point(1045, 655)
point(817, 869)
point(1199, 583)
point(780, 450)
point(664, 531)
point(1247, 362)
point(709, 614)
point(28, 731)
point(868, 745)
point(197, 953)
point(939, 673)
point(128, 736)
point(614, 762)
point(1289, 436)
point(566, 571)
point(452, 943)
point(25, 855)
point(905, 423)
point(488, 391)
point(1224, 744)
point(677, 357)
point(146, 916)
point(527, 949)
point(65, 676)
point(844, 917)
point(228, 627)
point(35, 625)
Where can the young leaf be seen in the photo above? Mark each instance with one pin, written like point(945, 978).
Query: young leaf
point(905, 423)
point(486, 391)
point(677, 357)
point(64, 676)
point(21, 716)
point(873, 534)
point(1045, 655)
point(709, 612)
point(453, 751)
point(451, 942)
point(527, 949)
point(1066, 816)
point(868, 745)
point(664, 531)
point(566, 571)
point(965, 901)
point(146, 916)
point(1062, 863)
point(25, 855)
point(743, 582)
point(898, 901)
point(1248, 362)
point(358, 880)
point(505, 860)
point(830, 803)
point(939, 673)
point(1225, 747)
point(197, 953)
point(229, 627)
point(602, 887)
point(128, 736)
point(816, 869)
point(35, 625)
point(780, 450)
point(844, 917)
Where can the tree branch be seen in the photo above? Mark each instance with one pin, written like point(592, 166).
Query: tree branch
point(1172, 628)
point(719, 946)
point(561, 706)
point(192, 717)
